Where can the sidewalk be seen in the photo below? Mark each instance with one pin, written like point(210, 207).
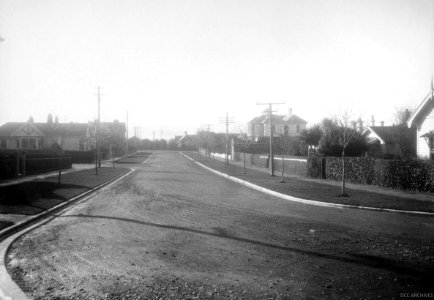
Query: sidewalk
point(324, 190)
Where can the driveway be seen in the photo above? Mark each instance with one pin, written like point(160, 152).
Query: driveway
point(174, 230)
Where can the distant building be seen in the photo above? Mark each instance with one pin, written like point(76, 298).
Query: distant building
point(72, 136)
point(423, 121)
point(390, 141)
point(187, 141)
point(290, 125)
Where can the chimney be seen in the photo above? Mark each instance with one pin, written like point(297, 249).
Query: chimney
point(382, 123)
point(290, 111)
point(354, 125)
point(372, 121)
point(360, 125)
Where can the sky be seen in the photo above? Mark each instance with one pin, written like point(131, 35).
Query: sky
point(179, 65)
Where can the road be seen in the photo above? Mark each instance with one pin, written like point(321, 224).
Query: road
point(173, 230)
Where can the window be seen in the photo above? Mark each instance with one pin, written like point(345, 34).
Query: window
point(3, 143)
point(82, 144)
point(298, 128)
point(24, 143)
point(32, 143)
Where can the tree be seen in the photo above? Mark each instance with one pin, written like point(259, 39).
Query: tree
point(311, 137)
point(31, 120)
point(341, 134)
point(402, 115)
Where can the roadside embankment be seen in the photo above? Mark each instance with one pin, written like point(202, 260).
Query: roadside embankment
point(315, 190)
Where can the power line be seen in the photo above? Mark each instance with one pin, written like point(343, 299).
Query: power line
point(270, 122)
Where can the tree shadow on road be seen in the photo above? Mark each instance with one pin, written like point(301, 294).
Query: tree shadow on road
point(423, 272)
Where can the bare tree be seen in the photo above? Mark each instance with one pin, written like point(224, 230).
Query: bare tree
point(342, 133)
point(402, 115)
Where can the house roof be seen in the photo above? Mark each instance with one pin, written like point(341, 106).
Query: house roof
point(279, 119)
point(8, 128)
point(191, 137)
point(70, 129)
point(293, 119)
point(420, 110)
point(385, 134)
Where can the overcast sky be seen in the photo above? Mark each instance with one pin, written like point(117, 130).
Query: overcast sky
point(179, 65)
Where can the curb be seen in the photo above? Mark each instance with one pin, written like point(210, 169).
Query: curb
point(306, 201)
point(9, 289)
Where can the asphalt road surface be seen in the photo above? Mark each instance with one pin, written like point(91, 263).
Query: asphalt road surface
point(173, 230)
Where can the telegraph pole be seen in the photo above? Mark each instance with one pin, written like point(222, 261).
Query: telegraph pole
point(98, 139)
point(208, 150)
point(161, 139)
point(270, 123)
point(227, 121)
point(127, 133)
point(97, 134)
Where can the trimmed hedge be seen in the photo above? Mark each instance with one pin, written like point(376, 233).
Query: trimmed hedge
point(36, 162)
point(416, 175)
point(81, 157)
point(39, 165)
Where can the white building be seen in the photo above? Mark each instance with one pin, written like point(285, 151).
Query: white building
point(423, 120)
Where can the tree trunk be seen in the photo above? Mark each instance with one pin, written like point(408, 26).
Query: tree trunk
point(343, 193)
point(60, 166)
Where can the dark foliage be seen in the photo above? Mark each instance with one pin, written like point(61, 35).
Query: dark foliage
point(398, 174)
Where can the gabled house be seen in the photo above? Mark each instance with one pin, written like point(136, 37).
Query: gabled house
point(422, 120)
point(289, 125)
point(39, 136)
point(391, 141)
point(188, 141)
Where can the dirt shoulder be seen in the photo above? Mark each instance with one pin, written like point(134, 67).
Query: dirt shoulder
point(33, 197)
point(316, 191)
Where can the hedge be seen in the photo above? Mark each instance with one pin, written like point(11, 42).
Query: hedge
point(81, 157)
point(35, 163)
point(39, 165)
point(416, 175)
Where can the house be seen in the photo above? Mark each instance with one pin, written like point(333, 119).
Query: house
point(290, 125)
point(422, 120)
point(39, 136)
point(188, 141)
point(390, 141)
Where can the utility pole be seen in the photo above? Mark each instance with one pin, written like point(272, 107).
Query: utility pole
point(127, 133)
point(270, 123)
point(161, 139)
point(208, 150)
point(227, 121)
point(97, 133)
point(98, 139)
